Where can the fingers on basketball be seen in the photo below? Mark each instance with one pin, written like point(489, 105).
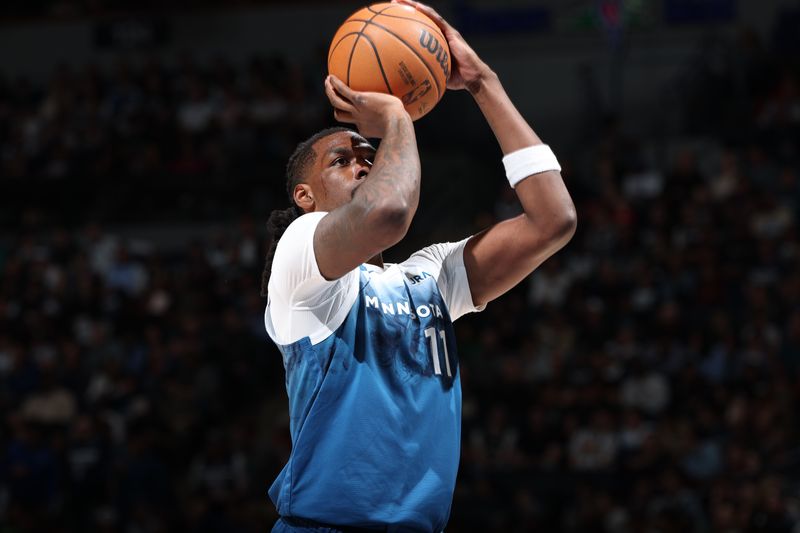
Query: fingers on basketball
point(336, 99)
point(429, 12)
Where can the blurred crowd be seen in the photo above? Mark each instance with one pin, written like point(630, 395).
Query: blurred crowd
point(647, 376)
point(120, 131)
point(644, 379)
point(136, 386)
point(647, 379)
point(72, 9)
point(146, 119)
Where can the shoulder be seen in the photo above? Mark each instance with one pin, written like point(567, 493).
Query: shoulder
point(294, 262)
point(301, 229)
point(437, 256)
point(302, 303)
point(445, 263)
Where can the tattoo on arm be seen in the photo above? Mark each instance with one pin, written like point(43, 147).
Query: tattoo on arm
point(396, 172)
point(381, 208)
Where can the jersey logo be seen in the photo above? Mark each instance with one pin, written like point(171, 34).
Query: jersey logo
point(417, 278)
point(403, 308)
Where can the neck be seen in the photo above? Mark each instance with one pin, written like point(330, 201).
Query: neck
point(377, 261)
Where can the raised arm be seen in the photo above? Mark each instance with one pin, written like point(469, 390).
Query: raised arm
point(501, 256)
point(381, 209)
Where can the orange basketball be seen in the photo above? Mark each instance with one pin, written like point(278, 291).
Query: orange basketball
point(394, 49)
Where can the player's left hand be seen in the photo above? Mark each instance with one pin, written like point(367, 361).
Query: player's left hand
point(467, 69)
point(372, 113)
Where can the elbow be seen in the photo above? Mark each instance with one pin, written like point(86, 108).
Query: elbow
point(563, 226)
point(569, 224)
point(391, 222)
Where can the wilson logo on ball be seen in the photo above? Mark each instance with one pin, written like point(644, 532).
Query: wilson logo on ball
point(431, 44)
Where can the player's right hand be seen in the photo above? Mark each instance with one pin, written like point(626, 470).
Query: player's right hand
point(467, 68)
point(370, 112)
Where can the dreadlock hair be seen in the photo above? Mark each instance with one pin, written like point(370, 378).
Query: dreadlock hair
point(302, 157)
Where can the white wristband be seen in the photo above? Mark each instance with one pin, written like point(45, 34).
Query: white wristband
point(529, 161)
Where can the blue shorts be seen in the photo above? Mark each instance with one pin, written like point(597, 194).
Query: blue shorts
point(283, 526)
point(300, 525)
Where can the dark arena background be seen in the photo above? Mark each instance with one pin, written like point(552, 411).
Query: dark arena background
point(644, 379)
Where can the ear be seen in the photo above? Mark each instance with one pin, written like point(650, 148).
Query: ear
point(304, 198)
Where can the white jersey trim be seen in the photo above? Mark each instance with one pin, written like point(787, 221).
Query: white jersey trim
point(302, 303)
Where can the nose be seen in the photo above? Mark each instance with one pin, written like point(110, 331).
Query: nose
point(362, 172)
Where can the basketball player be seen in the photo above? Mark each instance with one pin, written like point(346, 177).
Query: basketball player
point(371, 363)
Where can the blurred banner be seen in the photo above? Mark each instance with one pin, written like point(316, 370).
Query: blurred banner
point(132, 33)
point(514, 16)
point(501, 18)
point(699, 11)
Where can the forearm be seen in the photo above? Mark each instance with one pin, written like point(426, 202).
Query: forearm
point(392, 188)
point(511, 130)
point(544, 197)
point(381, 209)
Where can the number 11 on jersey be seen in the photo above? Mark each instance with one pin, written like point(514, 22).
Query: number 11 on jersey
point(430, 334)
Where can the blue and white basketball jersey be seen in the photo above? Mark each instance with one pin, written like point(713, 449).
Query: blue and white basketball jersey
point(373, 382)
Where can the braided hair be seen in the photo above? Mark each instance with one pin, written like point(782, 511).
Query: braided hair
point(302, 157)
